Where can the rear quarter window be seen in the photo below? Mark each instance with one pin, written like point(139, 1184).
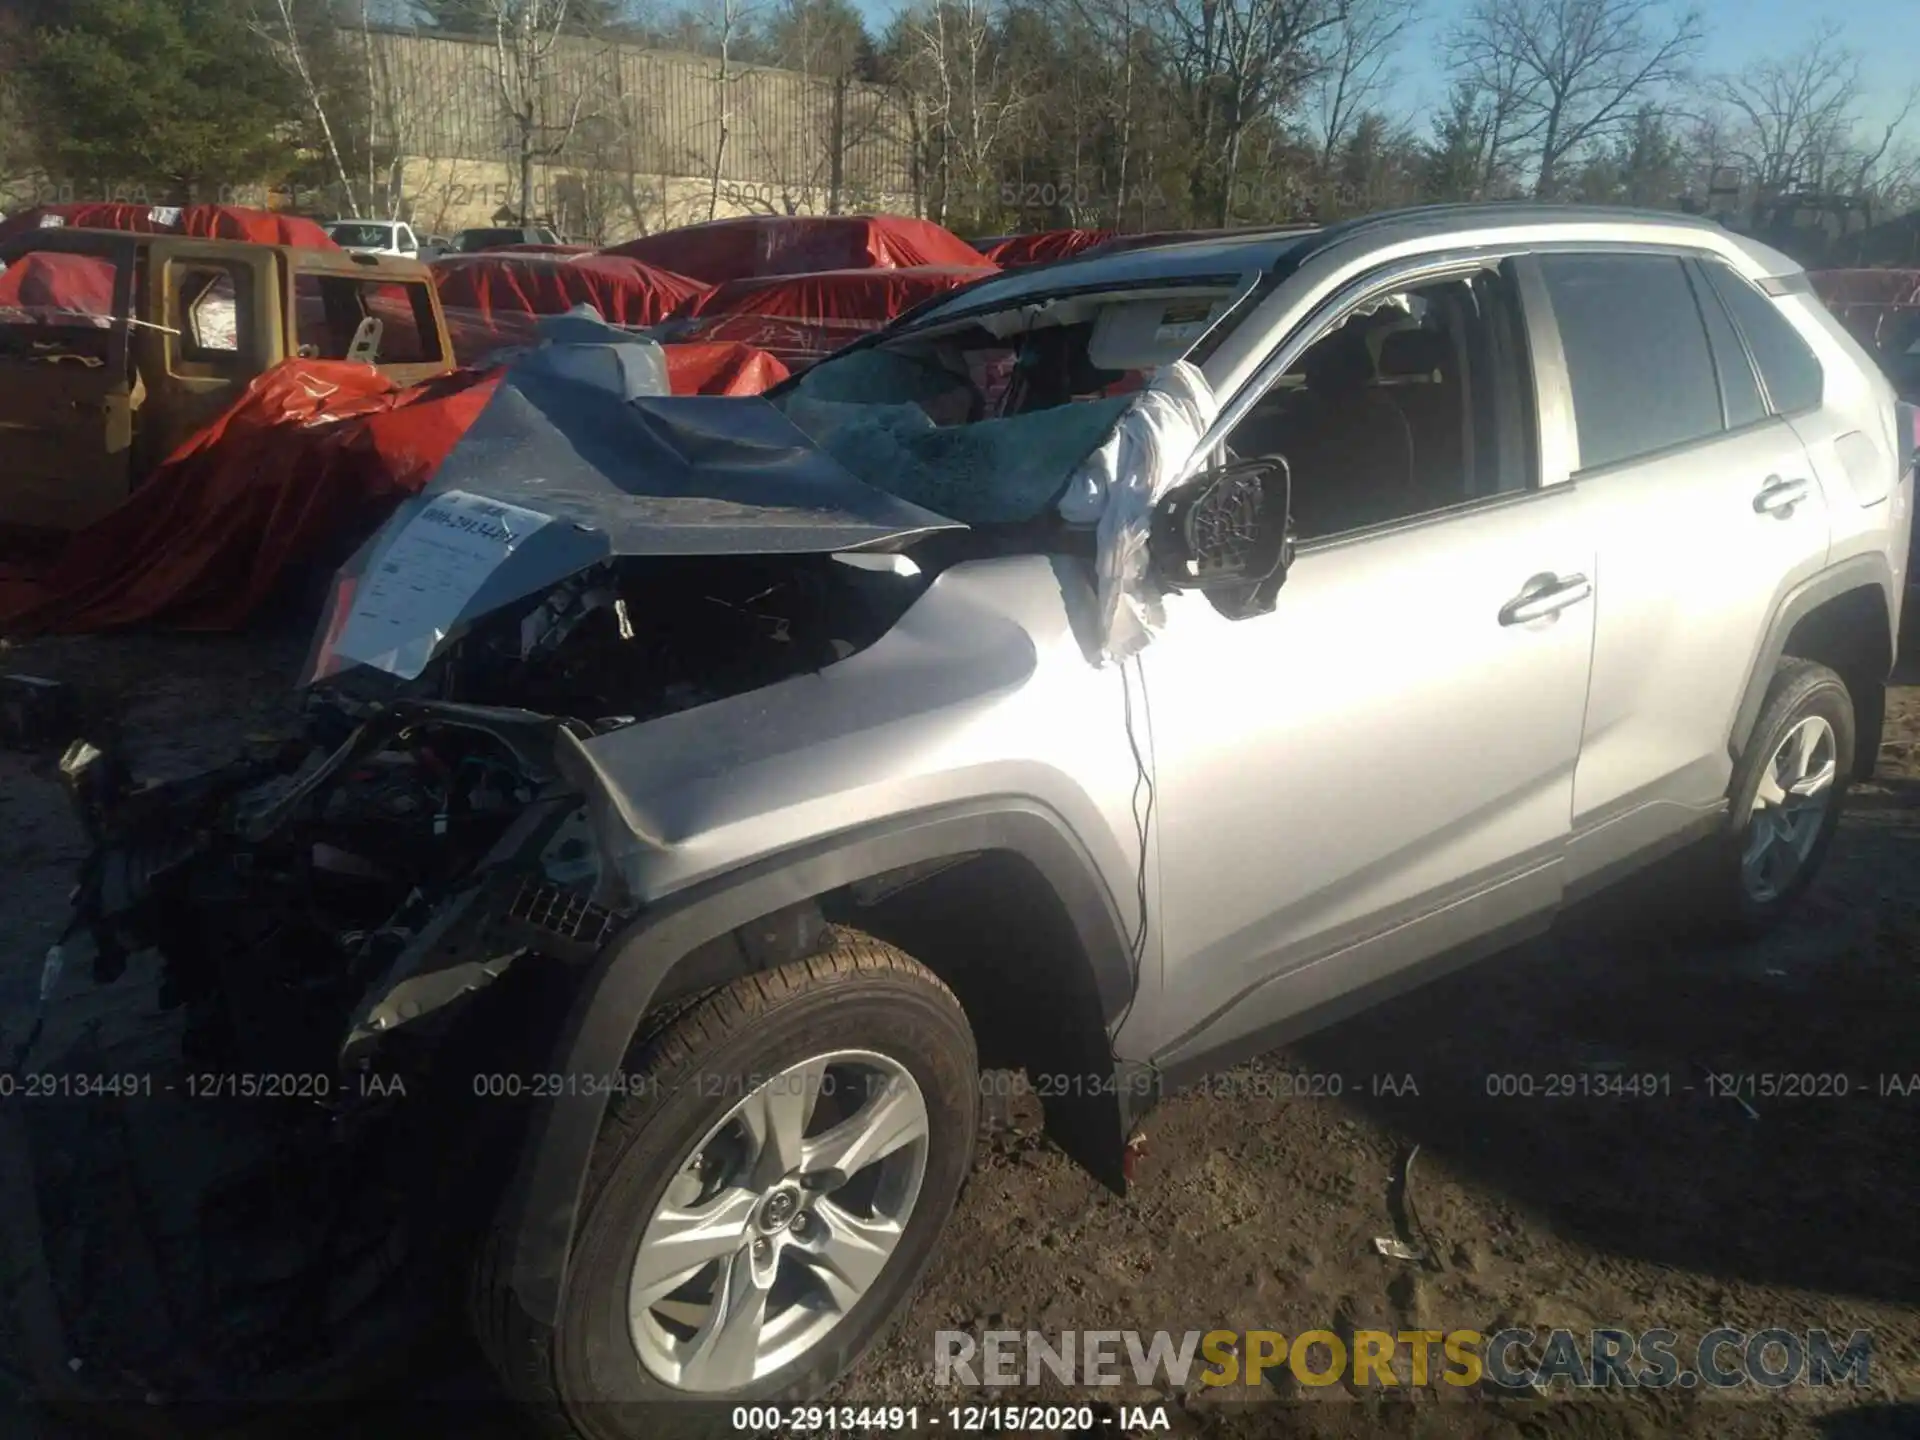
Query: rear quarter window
point(1788, 366)
point(1637, 357)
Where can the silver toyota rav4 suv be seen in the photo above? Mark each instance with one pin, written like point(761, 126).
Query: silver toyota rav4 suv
point(778, 769)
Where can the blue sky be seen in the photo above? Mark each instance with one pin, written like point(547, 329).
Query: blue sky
point(1737, 31)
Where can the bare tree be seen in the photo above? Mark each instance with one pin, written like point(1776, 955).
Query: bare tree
point(971, 91)
point(530, 69)
point(1571, 72)
point(1117, 38)
point(280, 29)
point(722, 31)
point(1242, 62)
point(393, 129)
point(1796, 122)
point(1358, 68)
point(825, 43)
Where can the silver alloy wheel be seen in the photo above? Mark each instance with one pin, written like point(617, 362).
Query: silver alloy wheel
point(778, 1222)
point(1796, 788)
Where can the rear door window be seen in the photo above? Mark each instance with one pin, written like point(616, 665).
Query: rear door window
point(1739, 386)
point(406, 316)
point(1637, 356)
point(1792, 373)
point(328, 310)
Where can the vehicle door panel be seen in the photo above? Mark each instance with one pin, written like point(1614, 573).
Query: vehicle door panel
point(217, 318)
point(1696, 541)
point(1334, 775)
point(1689, 576)
point(66, 399)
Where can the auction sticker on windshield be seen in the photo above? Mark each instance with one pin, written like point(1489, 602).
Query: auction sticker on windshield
point(417, 587)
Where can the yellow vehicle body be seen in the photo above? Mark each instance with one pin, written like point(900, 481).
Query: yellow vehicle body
point(96, 391)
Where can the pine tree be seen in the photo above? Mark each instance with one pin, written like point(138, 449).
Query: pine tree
point(180, 91)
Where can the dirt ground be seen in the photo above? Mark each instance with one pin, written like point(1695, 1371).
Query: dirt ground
point(1685, 1209)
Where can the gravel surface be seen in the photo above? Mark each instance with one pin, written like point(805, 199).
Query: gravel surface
point(1256, 1206)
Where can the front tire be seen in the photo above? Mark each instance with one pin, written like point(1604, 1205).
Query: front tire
point(767, 1197)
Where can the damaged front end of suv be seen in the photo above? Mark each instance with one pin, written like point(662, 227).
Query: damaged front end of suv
point(441, 816)
point(625, 645)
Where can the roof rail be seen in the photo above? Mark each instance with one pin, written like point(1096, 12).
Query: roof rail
point(1524, 211)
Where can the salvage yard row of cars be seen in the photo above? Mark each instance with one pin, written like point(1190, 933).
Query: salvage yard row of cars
point(1465, 560)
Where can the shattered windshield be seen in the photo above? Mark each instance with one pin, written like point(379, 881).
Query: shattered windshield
point(985, 418)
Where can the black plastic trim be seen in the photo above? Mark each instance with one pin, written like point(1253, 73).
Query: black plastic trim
point(1857, 572)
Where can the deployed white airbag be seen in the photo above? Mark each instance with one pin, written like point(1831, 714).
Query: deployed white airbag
point(1120, 484)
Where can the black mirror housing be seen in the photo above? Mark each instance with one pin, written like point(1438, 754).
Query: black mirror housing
point(1227, 533)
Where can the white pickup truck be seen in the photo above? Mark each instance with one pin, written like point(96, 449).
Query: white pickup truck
point(375, 237)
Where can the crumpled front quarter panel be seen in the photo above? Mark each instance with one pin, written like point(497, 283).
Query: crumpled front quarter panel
point(983, 688)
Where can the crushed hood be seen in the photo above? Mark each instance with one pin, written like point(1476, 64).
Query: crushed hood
point(558, 474)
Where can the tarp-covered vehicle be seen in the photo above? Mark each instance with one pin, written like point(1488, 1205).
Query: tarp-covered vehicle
point(802, 318)
point(497, 297)
point(618, 635)
point(202, 222)
point(312, 456)
point(1010, 252)
point(116, 346)
point(753, 246)
point(1881, 308)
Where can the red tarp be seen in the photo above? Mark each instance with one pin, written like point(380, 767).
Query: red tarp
point(1117, 243)
point(625, 292)
point(1866, 287)
point(313, 453)
point(208, 222)
point(721, 368)
point(1017, 250)
point(803, 317)
point(312, 457)
point(45, 281)
point(491, 299)
point(1878, 307)
point(760, 245)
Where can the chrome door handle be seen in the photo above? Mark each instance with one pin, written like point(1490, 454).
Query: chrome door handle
point(1545, 595)
point(1778, 497)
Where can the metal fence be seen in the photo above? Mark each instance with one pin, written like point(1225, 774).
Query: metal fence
point(643, 111)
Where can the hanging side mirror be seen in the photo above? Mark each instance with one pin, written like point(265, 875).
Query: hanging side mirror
point(1227, 533)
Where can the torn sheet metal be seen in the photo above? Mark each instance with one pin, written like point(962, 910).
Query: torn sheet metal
point(582, 347)
point(1121, 483)
point(558, 474)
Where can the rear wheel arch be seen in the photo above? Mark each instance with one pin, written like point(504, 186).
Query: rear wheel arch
point(761, 917)
point(1841, 618)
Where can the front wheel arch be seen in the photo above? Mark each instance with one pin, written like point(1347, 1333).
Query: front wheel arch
point(539, 1211)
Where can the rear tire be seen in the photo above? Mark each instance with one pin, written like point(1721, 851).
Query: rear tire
point(1785, 797)
point(701, 1135)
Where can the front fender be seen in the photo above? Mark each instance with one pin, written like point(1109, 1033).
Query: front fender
point(541, 1205)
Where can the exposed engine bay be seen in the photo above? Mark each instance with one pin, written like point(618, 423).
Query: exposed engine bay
point(296, 890)
point(355, 921)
